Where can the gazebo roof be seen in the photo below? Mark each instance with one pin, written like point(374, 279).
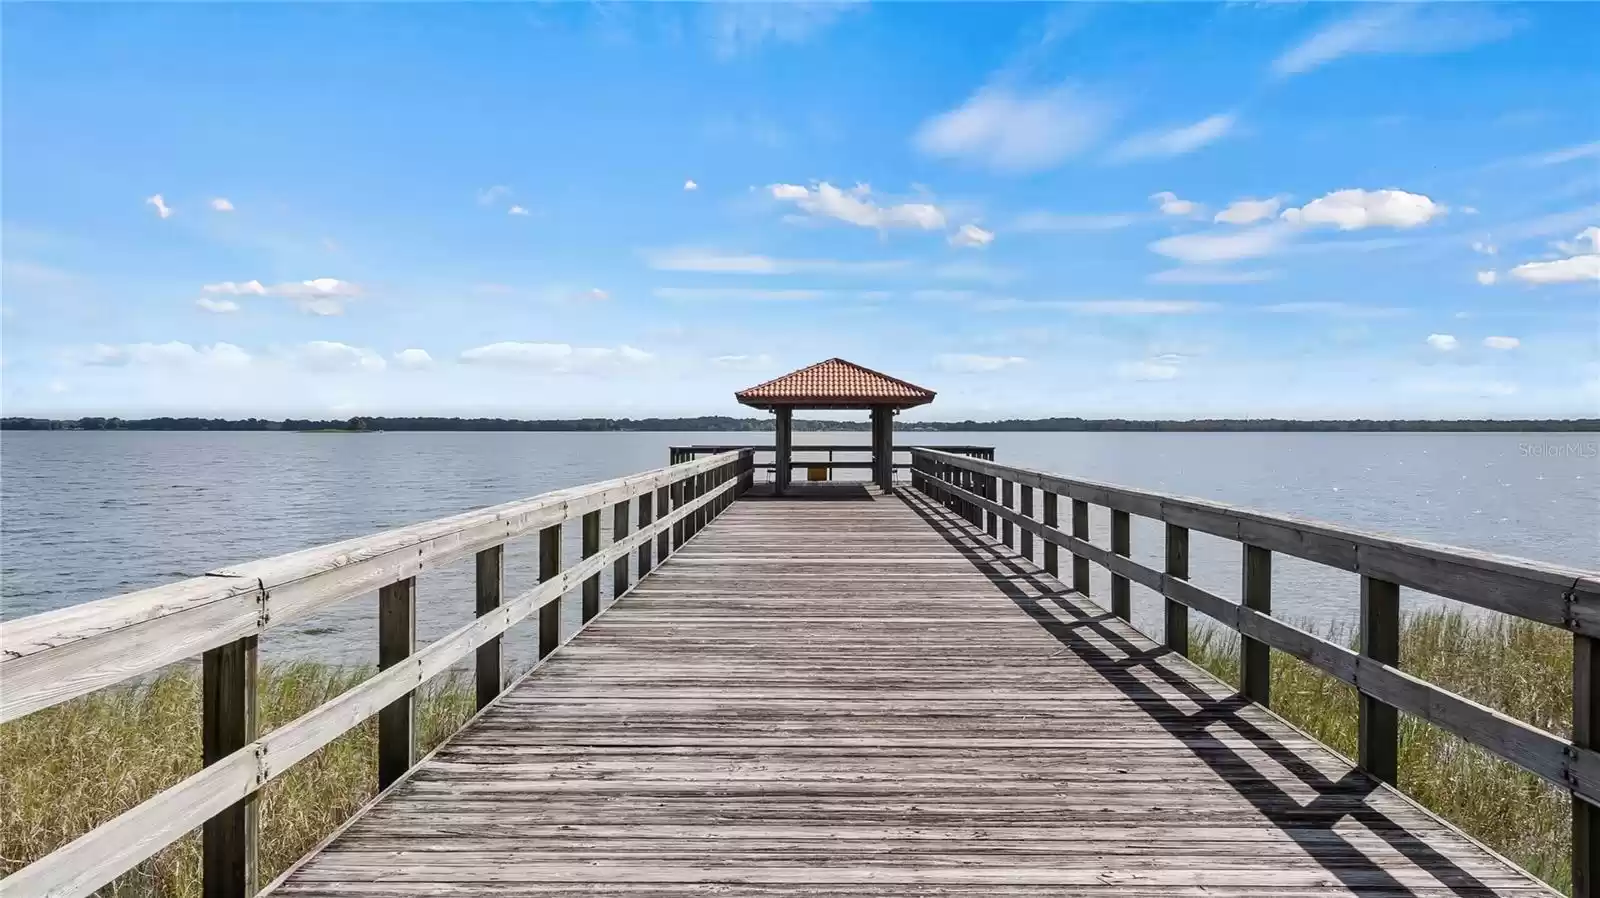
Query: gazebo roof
point(835, 384)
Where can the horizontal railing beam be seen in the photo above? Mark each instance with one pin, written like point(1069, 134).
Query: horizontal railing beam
point(1551, 757)
point(1563, 597)
point(49, 658)
point(113, 848)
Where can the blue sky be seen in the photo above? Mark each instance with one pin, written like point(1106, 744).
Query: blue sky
point(1138, 210)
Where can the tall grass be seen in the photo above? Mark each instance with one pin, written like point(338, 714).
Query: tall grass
point(1518, 667)
point(67, 769)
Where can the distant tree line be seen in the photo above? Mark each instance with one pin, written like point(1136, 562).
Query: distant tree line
point(724, 424)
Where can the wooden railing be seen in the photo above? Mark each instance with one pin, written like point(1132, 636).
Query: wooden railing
point(53, 657)
point(983, 492)
point(804, 456)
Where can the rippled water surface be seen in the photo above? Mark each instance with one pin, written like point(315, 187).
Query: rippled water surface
point(87, 515)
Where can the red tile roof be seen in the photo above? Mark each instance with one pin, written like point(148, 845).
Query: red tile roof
point(835, 383)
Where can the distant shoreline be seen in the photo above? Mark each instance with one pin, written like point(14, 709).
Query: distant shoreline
point(722, 424)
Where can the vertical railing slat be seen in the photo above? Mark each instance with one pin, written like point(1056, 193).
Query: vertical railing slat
point(1175, 629)
point(619, 531)
point(489, 668)
point(1080, 564)
point(1121, 600)
point(1585, 734)
point(397, 640)
point(1008, 530)
point(591, 546)
point(1052, 563)
point(1027, 512)
point(1378, 729)
point(1255, 657)
point(549, 568)
point(228, 841)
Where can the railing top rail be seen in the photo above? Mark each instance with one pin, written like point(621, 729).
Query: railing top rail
point(830, 447)
point(48, 658)
point(1554, 594)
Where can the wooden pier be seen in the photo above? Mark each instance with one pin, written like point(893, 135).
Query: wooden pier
point(882, 694)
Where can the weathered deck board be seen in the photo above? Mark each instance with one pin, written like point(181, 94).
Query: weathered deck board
point(857, 698)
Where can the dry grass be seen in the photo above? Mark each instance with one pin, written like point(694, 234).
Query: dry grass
point(1521, 668)
point(67, 769)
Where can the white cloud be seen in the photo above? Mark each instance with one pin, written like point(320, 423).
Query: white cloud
point(1176, 141)
point(973, 364)
point(556, 358)
point(1134, 306)
point(736, 293)
point(1171, 205)
point(1160, 368)
point(1334, 309)
point(595, 294)
point(1443, 342)
point(1501, 342)
point(690, 185)
point(1223, 246)
point(1210, 276)
point(712, 262)
point(517, 210)
point(221, 204)
point(331, 356)
point(413, 359)
point(1402, 28)
point(856, 207)
point(1353, 210)
point(162, 209)
point(1243, 212)
point(221, 306)
point(971, 235)
point(1051, 221)
point(1487, 278)
point(1015, 132)
point(1586, 243)
point(173, 354)
point(1484, 248)
point(1568, 154)
point(1583, 265)
point(235, 288)
point(488, 196)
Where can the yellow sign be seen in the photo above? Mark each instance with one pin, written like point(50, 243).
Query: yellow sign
point(816, 473)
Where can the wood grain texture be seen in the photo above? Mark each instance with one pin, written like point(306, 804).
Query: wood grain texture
point(397, 641)
point(489, 665)
point(870, 697)
point(227, 724)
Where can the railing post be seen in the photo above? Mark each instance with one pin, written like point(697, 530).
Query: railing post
point(1027, 512)
point(1585, 734)
point(1080, 564)
point(1378, 731)
point(678, 525)
point(619, 532)
point(590, 536)
point(1121, 602)
point(489, 670)
point(1008, 529)
point(227, 724)
point(1255, 658)
point(664, 538)
point(646, 518)
point(397, 639)
point(1175, 632)
point(549, 568)
point(1052, 565)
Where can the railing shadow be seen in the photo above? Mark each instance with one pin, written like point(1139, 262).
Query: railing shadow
point(1310, 825)
point(830, 491)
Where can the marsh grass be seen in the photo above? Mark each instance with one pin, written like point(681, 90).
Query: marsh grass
point(67, 769)
point(1521, 668)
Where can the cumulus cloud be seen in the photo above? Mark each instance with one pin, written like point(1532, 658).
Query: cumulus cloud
point(331, 356)
point(960, 363)
point(318, 296)
point(690, 185)
point(1401, 28)
point(1353, 210)
point(1247, 211)
point(556, 358)
point(1176, 141)
point(971, 235)
point(220, 306)
point(1487, 278)
point(162, 209)
point(173, 354)
point(1443, 342)
point(707, 261)
point(1223, 246)
point(1010, 131)
point(237, 288)
point(413, 359)
point(517, 210)
point(1583, 266)
point(1171, 205)
point(221, 204)
point(1501, 342)
point(1485, 248)
point(856, 207)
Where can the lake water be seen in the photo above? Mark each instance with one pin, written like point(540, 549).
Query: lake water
point(85, 515)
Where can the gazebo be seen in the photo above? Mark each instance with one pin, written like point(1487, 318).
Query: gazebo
point(836, 385)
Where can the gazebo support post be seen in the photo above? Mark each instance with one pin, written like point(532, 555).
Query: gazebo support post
point(783, 442)
point(883, 447)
